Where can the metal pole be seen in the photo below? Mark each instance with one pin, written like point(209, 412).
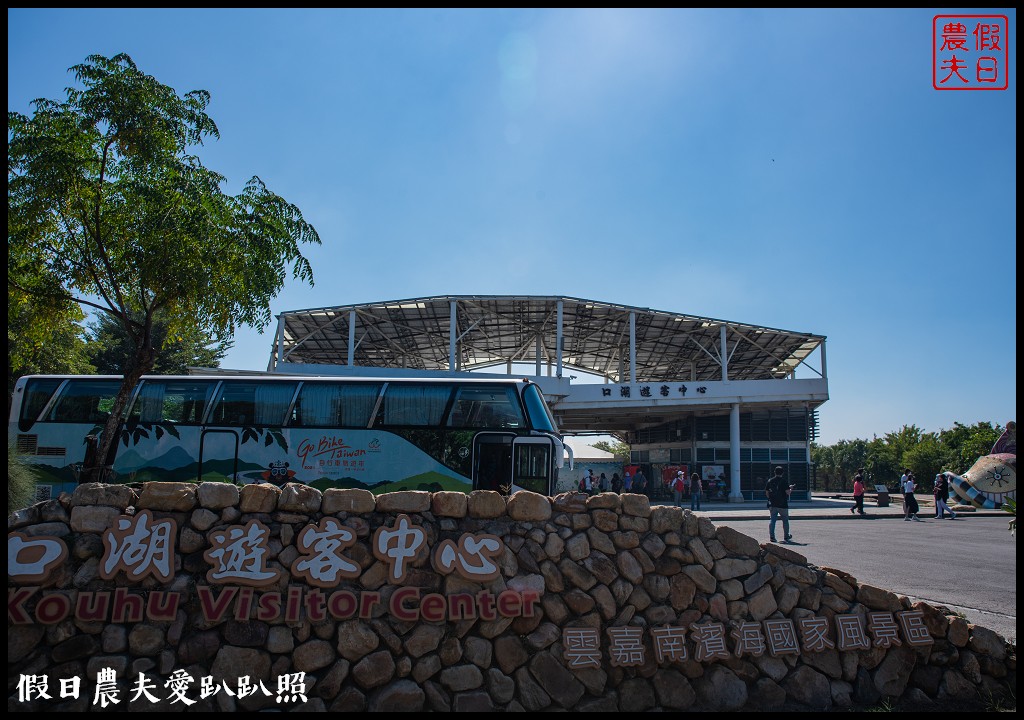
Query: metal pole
point(274, 360)
point(632, 347)
point(725, 355)
point(451, 337)
point(351, 338)
point(559, 340)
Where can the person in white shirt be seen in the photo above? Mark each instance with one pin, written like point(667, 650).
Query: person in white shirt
point(910, 507)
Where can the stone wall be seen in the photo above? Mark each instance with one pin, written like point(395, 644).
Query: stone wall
point(600, 562)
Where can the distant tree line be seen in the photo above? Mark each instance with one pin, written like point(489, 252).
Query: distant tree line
point(884, 458)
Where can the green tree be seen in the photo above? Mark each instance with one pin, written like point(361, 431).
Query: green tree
point(619, 449)
point(823, 460)
point(43, 338)
point(109, 208)
point(925, 459)
point(885, 456)
point(884, 463)
point(837, 464)
point(112, 350)
point(966, 443)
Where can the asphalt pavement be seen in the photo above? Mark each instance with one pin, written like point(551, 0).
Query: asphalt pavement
point(938, 562)
point(825, 506)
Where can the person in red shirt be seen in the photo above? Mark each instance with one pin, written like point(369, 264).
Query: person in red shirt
point(858, 493)
point(678, 485)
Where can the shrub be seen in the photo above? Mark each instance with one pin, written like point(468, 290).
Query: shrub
point(21, 482)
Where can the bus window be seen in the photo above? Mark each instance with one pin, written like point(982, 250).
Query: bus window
point(37, 394)
point(485, 407)
point(540, 415)
point(419, 405)
point(85, 401)
point(531, 467)
point(335, 404)
point(253, 403)
point(172, 401)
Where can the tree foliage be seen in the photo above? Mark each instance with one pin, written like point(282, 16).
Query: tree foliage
point(109, 208)
point(965, 444)
point(112, 351)
point(619, 449)
point(43, 337)
point(884, 458)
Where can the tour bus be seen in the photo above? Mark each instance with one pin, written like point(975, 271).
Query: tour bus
point(381, 434)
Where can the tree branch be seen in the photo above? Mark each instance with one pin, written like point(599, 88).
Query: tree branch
point(104, 257)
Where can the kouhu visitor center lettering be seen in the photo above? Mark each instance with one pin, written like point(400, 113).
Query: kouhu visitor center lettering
point(217, 597)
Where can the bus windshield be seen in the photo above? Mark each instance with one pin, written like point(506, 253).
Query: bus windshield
point(540, 414)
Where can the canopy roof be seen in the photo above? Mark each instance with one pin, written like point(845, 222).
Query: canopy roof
point(492, 330)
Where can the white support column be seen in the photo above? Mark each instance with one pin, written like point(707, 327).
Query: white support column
point(509, 366)
point(632, 347)
point(824, 374)
point(735, 494)
point(276, 358)
point(724, 354)
point(559, 341)
point(451, 337)
point(622, 367)
point(537, 353)
point(351, 338)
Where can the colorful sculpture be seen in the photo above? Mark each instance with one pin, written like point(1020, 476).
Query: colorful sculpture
point(992, 480)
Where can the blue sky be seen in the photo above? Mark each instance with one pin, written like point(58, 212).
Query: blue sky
point(787, 168)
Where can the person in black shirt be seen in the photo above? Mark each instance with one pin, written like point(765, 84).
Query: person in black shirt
point(616, 483)
point(778, 491)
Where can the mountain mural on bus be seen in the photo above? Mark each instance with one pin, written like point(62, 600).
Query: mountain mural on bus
point(378, 461)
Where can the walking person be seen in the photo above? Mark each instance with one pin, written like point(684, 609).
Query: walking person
point(678, 485)
point(640, 482)
point(903, 483)
point(778, 492)
point(616, 483)
point(910, 506)
point(858, 493)
point(587, 483)
point(696, 491)
point(627, 483)
point(602, 484)
point(941, 493)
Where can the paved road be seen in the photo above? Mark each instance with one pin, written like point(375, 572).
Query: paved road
point(968, 564)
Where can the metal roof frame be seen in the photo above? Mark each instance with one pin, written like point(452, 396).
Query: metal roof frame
point(472, 332)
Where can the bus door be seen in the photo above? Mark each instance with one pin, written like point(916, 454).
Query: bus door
point(218, 456)
point(533, 464)
point(492, 461)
